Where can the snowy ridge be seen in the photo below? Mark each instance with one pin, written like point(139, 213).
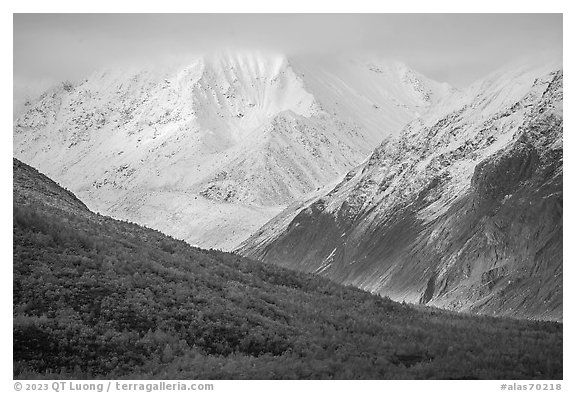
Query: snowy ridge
point(433, 215)
point(210, 149)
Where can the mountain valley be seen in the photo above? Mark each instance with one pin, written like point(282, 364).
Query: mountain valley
point(95, 297)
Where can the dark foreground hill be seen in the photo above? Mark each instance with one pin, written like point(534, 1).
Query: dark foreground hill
point(100, 298)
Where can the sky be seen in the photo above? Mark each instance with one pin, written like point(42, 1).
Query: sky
point(453, 48)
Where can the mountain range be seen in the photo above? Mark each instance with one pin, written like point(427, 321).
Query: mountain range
point(211, 149)
point(360, 169)
point(462, 210)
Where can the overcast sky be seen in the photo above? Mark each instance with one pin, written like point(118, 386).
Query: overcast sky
point(454, 48)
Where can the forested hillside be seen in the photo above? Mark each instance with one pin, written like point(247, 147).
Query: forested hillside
point(99, 298)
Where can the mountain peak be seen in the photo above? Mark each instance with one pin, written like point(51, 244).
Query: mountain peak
point(219, 142)
point(462, 210)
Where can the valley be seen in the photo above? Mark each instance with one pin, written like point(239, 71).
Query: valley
point(95, 297)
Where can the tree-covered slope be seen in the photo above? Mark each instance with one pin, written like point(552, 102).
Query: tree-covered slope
point(99, 298)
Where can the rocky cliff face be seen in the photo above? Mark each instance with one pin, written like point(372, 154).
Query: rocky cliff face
point(463, 210)
point(210, 150)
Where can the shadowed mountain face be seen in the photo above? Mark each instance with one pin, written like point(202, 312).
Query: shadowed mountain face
point(462, 211)
point(96, 297)
point(210, 150)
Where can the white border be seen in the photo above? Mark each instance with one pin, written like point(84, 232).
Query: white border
point(258, 6)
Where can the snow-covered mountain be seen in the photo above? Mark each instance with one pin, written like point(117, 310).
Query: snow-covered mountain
point(463, 210)
point(209, 150)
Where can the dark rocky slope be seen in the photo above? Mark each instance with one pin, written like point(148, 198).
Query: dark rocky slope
point(462, 211)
